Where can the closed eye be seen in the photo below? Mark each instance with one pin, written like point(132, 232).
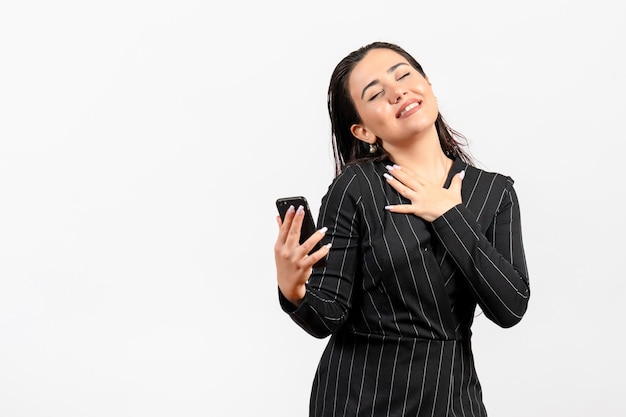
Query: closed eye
point(405, 75)
point(375, 96)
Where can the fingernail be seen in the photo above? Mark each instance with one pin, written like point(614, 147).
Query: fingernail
point(328, 245)
point(323, 229)
point(290, 209)
point(300, 210)
point(396, 166)
point(387, 207)
point(389, 177)
point(462, 174)
point(389, 167)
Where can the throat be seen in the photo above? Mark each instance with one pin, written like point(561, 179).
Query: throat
point(435, 171)
point(441, 177)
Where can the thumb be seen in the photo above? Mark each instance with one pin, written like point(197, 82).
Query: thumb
point(457, 181)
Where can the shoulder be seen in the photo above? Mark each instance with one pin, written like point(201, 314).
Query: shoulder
point(482, 178)
point(360, 174)
point(357, 182)
point(365, 168)
point(485, 192)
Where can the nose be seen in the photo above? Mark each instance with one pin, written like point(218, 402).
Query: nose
point(398, 94)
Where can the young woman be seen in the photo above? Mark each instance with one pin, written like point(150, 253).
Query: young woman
point(414, 238)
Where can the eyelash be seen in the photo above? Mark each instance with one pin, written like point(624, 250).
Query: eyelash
point(376, 95)
point(382, 91)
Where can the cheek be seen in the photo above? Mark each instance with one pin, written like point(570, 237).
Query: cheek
point(430, 98)
point(379, 114)
point(377, 120)
point(371, 115)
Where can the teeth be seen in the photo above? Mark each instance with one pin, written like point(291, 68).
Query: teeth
point(409, 107)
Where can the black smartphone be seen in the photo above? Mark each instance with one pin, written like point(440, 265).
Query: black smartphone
point(308, 224)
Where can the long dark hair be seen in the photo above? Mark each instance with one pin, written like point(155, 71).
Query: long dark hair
point(343, 114)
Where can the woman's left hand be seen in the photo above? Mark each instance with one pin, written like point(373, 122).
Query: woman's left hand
point(428, 200)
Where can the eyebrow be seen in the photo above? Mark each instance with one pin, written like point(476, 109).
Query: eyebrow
point(389, 71)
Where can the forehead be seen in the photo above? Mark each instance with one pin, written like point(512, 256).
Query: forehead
point(374, 65)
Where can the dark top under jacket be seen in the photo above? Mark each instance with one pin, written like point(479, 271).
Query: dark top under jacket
point(398, 295)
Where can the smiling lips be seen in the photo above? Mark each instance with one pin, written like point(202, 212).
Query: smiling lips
point(407, 109)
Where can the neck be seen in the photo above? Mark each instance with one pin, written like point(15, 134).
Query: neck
point(424, 157)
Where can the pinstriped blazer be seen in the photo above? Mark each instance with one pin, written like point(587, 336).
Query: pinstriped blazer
point(398, 295)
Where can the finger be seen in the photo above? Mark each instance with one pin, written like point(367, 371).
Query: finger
point(285, 224)
point(299, 255)
point(293, 235)
point(457, 182)
point(398, 186)
point(313, 240)
point(405, 176)
point(317, 255)
point(400, 208)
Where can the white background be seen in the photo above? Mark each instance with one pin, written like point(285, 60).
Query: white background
point(143, 144)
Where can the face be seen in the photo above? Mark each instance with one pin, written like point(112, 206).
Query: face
point(396, 103)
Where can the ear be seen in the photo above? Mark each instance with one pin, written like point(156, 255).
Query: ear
point(362, 133)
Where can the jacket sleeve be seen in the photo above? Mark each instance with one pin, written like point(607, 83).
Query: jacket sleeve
point(493, 262)
point(327, 301)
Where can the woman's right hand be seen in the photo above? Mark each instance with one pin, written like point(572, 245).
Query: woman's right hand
point(293, 265)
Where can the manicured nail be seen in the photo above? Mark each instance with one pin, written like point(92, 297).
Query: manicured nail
point(323, 230)
point(328, 245)
point(388, 207)
point(389, 177)
point(462, 174)
point(300, 210)
point(291, 209)
point(395, 166)
point(389, 167)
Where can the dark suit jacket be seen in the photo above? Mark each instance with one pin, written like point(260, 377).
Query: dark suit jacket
point(398, 295)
